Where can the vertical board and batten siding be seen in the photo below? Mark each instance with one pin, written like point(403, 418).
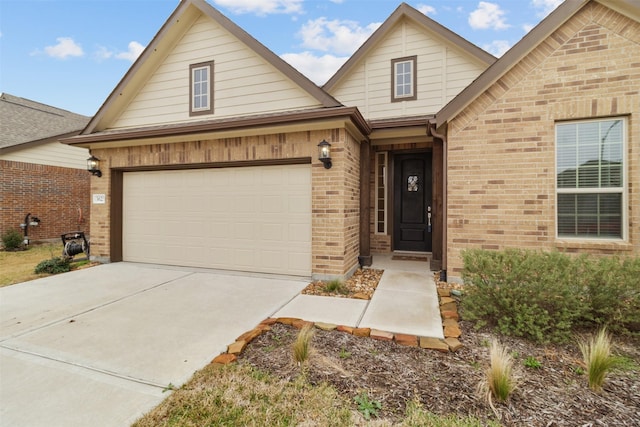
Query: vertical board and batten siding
point(51, 154)
point(244, 82)
point(443, 71)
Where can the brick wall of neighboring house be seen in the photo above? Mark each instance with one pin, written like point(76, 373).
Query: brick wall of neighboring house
point(501, 153)
point(335, 193)
point(59, 197)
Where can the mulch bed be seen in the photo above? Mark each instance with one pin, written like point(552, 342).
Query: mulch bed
point(555, 394)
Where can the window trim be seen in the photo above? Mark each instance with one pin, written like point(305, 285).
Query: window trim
point(623, 191)
point(414, 87)
point(192, 69)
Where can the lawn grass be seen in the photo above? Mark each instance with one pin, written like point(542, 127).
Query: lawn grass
point(18, 266)
point(239, 395)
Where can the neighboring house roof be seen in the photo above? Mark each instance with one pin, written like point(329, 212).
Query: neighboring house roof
point(404, 10)
point(179, 21)
point(521, 49)
point(25, 123)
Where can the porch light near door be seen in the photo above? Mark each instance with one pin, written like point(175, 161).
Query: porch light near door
point(93, 166)
point(324, 153)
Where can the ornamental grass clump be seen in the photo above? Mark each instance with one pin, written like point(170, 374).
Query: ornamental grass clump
point(597, 357)
point(302, 345)
point(499, 381)
point(336, 286)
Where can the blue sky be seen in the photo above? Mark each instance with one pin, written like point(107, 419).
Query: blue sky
point(72, 53)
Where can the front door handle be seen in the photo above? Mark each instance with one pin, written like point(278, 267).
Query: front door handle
point(429, 219)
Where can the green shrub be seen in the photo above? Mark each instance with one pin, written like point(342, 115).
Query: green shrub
point(53, 266)
point(543, 296)
point(613, 286)
point(12, 240)
point(523, 293)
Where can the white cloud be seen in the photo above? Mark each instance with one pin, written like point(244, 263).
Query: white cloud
point(261, 7)
point(133, 52)
point(135, 49)
point(527, 27)
point(103, 53)
point(497, 47)
point(488, 15)
point(65, 48)
point(341, 37)
point(545, 6)
point(426, 9)
point(318, 69)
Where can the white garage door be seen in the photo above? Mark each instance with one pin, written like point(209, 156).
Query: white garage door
point(254, 219)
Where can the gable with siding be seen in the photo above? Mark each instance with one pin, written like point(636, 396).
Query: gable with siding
point(444, 68)
point(248, 79)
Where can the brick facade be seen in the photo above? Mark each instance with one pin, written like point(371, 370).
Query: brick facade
point(335, 191)
point(501, 148)
point(59, 197)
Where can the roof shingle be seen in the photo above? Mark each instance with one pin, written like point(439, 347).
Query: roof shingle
point(23, 121)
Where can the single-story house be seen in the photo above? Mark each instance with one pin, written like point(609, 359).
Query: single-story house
point(39, 175)
point(212, 147)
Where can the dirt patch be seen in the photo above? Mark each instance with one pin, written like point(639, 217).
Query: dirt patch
point(553, 394)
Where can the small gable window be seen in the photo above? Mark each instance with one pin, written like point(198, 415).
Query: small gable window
point(201, 88)
point(404, 85)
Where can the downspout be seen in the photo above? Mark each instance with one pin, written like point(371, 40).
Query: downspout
point(443, 138)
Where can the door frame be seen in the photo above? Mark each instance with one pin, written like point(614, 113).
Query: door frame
point(117, 191)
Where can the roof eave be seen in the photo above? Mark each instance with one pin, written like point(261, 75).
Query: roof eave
point(38, 142)
point(351, 113)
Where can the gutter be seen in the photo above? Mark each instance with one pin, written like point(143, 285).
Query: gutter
point(443, 137)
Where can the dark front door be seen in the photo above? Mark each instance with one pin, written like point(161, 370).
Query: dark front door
point(412, 202)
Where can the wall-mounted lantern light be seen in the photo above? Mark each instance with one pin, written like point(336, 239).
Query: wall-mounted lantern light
point(324, 154)
point(93, 166)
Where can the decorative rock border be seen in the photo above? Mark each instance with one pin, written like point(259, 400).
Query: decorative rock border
point(448, 312)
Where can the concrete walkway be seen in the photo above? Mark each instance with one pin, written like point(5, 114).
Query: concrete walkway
point(405, 302)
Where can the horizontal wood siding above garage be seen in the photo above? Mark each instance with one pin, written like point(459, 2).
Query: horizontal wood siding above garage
point(244, 82)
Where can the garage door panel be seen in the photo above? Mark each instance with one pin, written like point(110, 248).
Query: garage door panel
point(249, 219)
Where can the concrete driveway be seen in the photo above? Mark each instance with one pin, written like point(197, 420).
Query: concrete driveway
point(98, 346)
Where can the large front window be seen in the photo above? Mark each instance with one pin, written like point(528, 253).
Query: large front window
point(590, 178)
